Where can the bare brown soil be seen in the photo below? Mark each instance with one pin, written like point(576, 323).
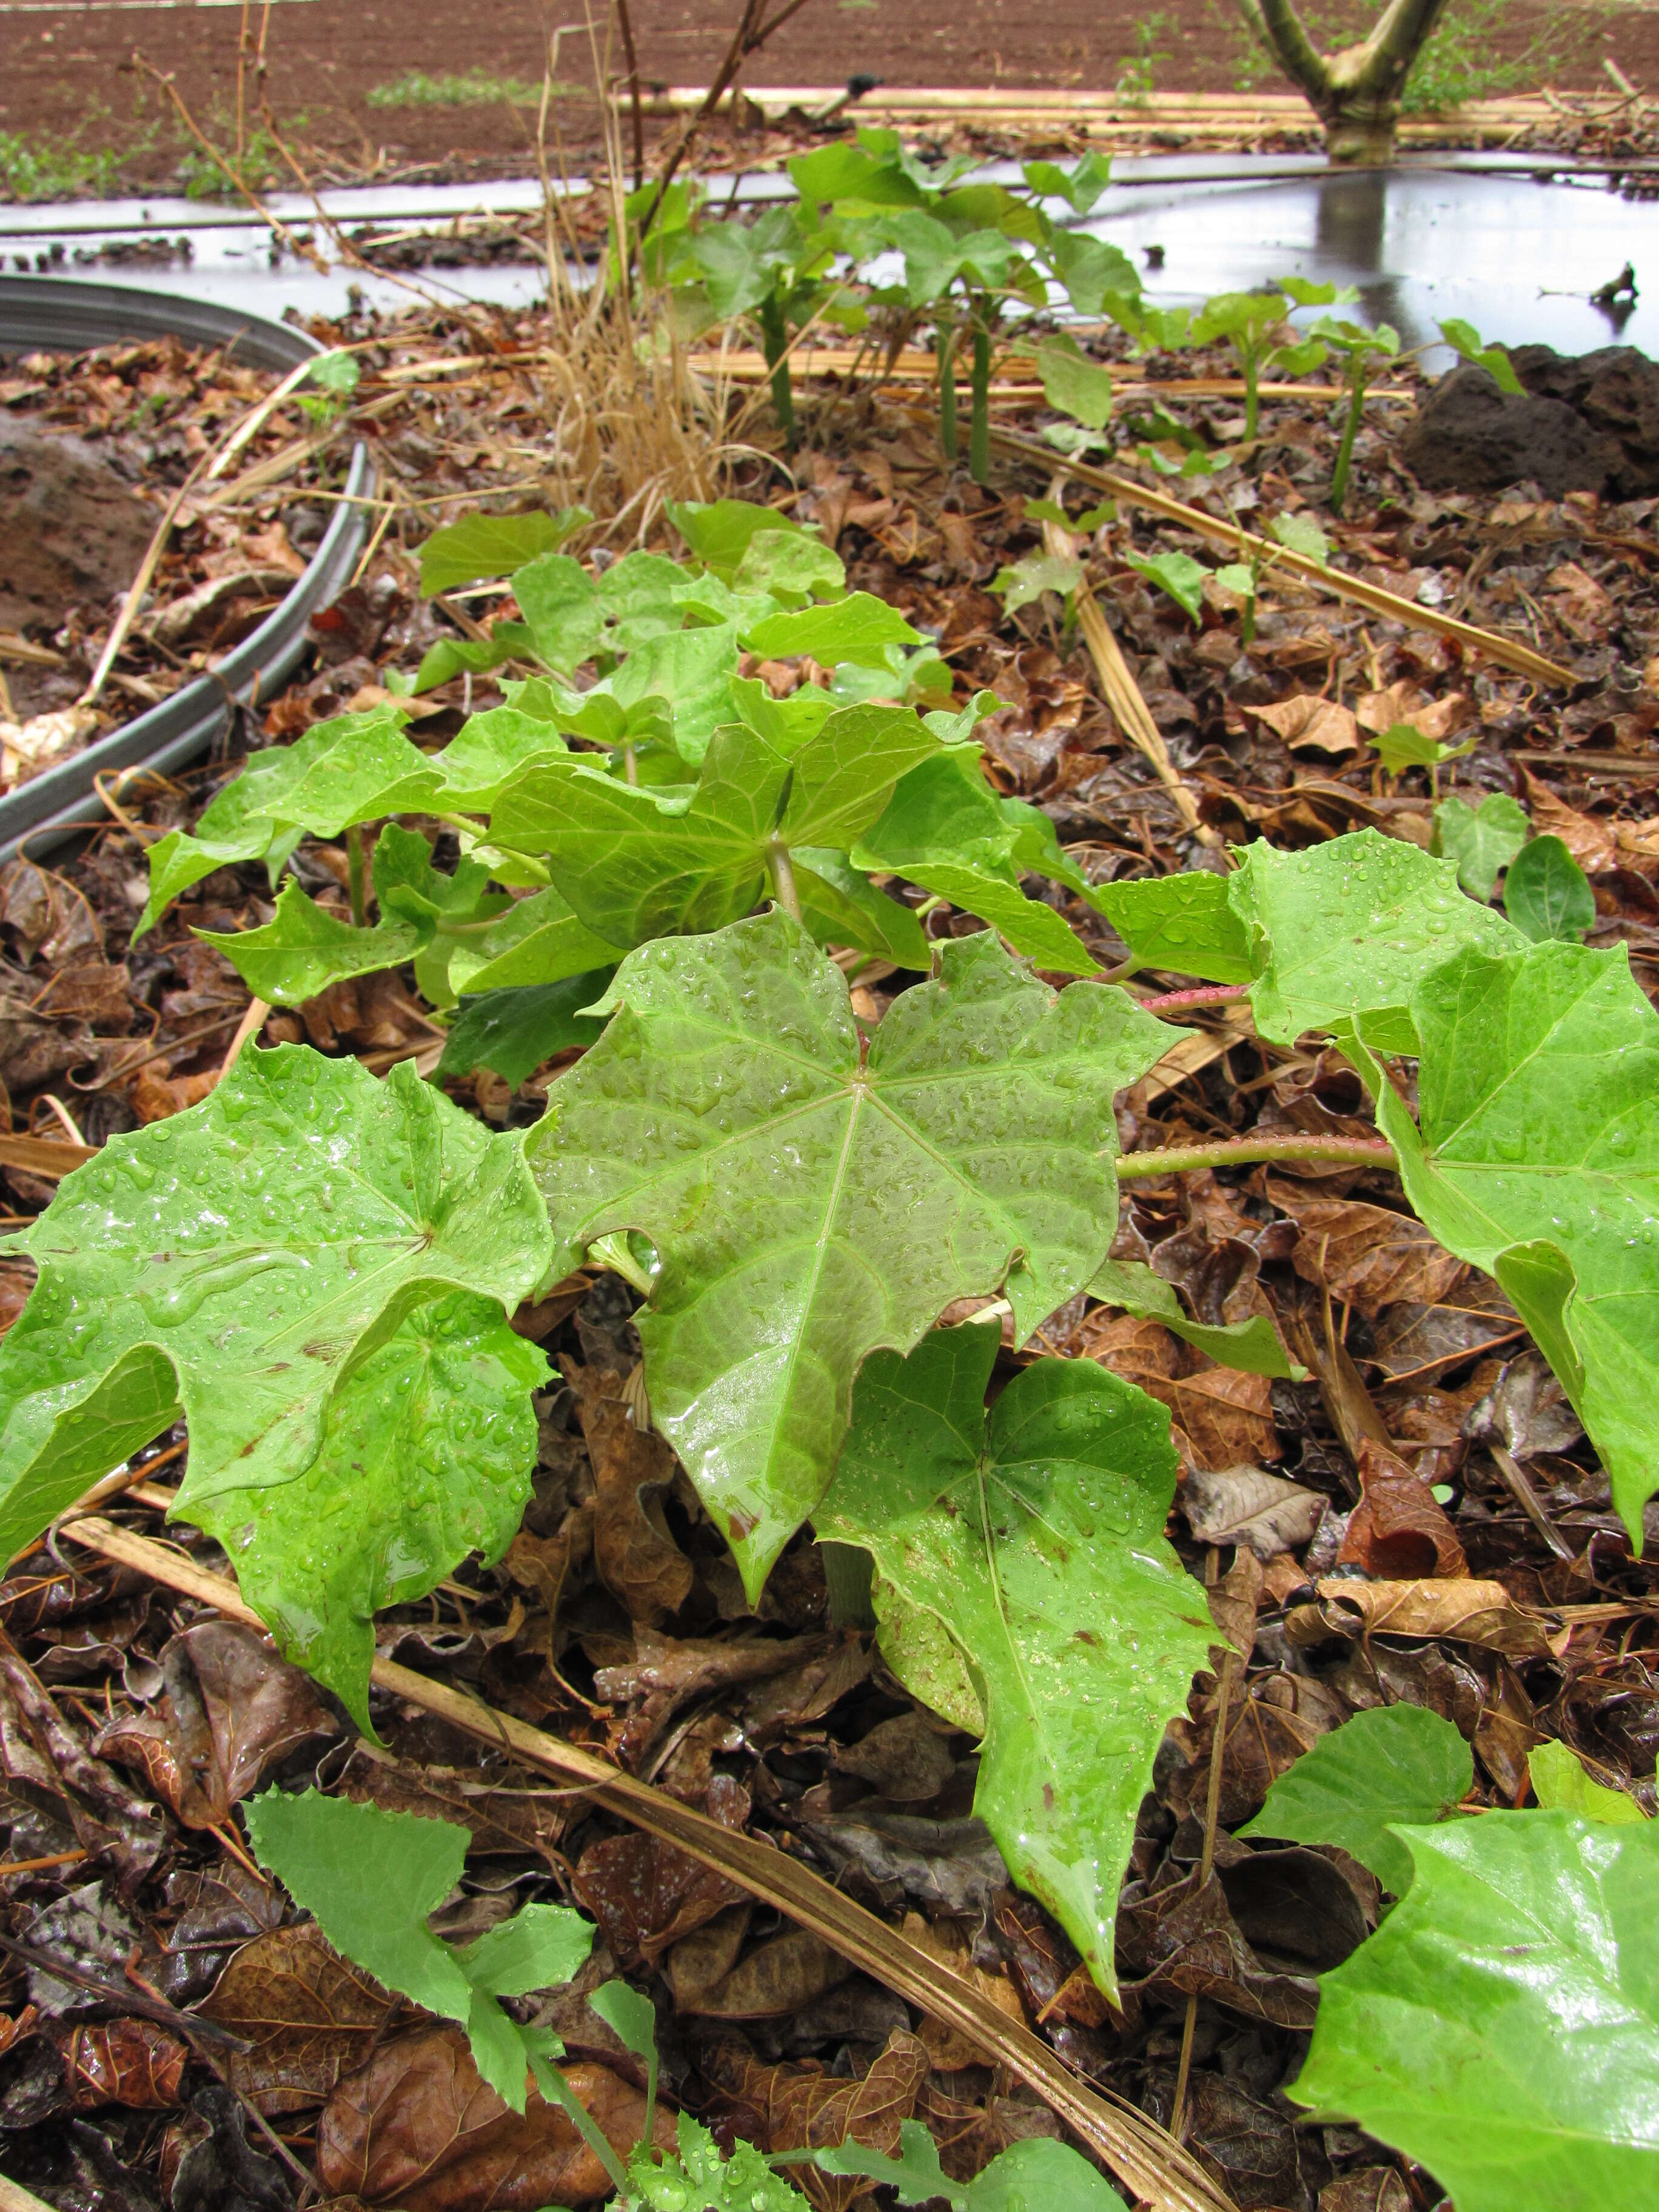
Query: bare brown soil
point(72, 74)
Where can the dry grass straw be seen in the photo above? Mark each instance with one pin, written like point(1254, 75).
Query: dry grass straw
point(632, 424)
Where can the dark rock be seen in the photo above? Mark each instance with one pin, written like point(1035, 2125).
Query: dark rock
point(1585, 422)
point(1470, 437)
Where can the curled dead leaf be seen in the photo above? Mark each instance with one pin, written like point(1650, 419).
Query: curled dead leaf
point(1309, 723)
point(1463, 1611)
point(1246, 1505)
point(1399, 1528)
point(415, 2128)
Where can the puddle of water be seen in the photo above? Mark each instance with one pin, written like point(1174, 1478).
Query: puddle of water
point(1478, 238)
point(1516, 257)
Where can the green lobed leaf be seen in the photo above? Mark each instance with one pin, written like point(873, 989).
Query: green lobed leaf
point(1348, 928)
point(1481, 840)
point(1463, 338)
point(1037, 2172)
point(372, 1880)
point(1536, 1156)
point(263, 1245)
point(1561, 1783)
point(859, 629)
point(1183, 924)
point(1027, 579)
point(341, 773)
point(1388, 1764)
point(809, 1205)
point(513, 1031)
point(480, 547)
point(535, 941)
point(1546, 893)
point(427, 1454)
point(1177, 574)
point(451, 657)
point(1252, 1346)
point(485, 754)
point(840, 906)
point(636, 863)
point(1403, 745)
point(1502, 2027)
point(1037, 1538)
point(944, 829)
point(305, 947)
point(1300, 533)
point(1072, 383)
point(721, 533)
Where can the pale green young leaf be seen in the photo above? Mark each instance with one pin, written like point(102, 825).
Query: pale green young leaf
point(1481, 840)
point(561, 602)
point(925, 1655)
point(840, 906)
point(486, 753)
point(371, 1880)
point(915, 2175)
point(859, 628)
point(808, 1205)
point(1300, 533)
point(427, 1454)
point(514, 1030)
point(535, 940)
point(1537, 1158)
point(700, 2176)
point(341, 773)
point(1027, 579)
point(1403, 745)
point(1035, 2173)
point(1038, 1538)
point(1177, 574)
point(1502, 2027)
point(305, 947)
point(451, 657)
point(480, 547)
point(1349, 927)
point(1184, 925)
point(1072, 383)
point(788, 565)
point(1562, 1783)
point(339, 1206)
point(689, 674)
point(721, 533)
point(1389, 1763)
point(1463, 338)
point(1100, 278)
point(1036, 849)
point(636, 863)
point(1546, 893)
point(945, 830)
point(1252, 1346)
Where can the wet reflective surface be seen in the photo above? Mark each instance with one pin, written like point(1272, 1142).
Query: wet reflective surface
point(1481, 237)
point(1500, 251)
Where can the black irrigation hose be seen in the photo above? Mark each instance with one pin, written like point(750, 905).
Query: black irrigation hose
point(55, 315)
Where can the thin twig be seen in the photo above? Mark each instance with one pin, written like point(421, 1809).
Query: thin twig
point(1244, 1151)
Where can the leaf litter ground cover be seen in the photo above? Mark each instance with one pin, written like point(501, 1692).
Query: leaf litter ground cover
point(1362, 1439)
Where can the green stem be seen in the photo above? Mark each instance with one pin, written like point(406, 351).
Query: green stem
point(950, 443)
point(355, 869)
point(979, 436)
point(557, 2091)
point(1252, 367)
point(1242, 1151)
point(783, 878)
point(775, 342)
point(630, 764)
point(1349, 431)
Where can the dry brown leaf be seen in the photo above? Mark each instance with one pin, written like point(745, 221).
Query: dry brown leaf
point(647, 1896)
point(1309, 723)
point(638, 1561)
point(1246, 1505)
point(1366, 1254)
point(230, 1709)
point(1399, 1530)
point(415, 2128)
point(1591, 842)
point(800, 2107)
point(776, 1978)
point(1226, 1417)
point(311, 2016)
point(1480, 1613)
point(948, 1942)
point(133, 2062)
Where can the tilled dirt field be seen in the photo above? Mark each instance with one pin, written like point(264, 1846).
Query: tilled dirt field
point(71, 75)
